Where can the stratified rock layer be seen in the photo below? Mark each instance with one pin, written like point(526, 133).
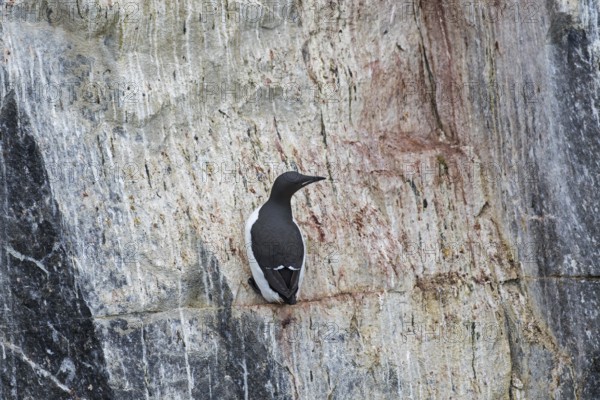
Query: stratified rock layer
point(452, 252)
point(49, 347)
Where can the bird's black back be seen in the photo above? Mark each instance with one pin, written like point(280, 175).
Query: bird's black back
point(277, 241)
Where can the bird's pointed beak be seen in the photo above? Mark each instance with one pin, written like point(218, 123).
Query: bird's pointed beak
point(311, 179)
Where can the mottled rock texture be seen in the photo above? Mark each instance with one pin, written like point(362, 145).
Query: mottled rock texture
point(453, 250)
point(49, 347)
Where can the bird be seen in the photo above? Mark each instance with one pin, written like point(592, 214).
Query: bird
point(274, 244)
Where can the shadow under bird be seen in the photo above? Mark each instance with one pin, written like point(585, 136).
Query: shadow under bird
point(274, 244)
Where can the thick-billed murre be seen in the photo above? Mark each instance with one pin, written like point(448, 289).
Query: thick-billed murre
point(274, 244)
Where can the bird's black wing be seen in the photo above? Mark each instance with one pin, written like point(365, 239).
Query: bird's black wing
point(277, 245)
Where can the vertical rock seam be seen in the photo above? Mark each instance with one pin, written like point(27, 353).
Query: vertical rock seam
point(48, 345)
point(569, 260)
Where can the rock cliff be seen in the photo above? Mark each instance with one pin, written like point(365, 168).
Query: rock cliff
point(452, 252)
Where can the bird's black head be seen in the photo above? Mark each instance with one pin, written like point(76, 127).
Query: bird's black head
point(289, 183)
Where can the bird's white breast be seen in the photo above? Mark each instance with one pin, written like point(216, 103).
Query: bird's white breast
point(303, 260)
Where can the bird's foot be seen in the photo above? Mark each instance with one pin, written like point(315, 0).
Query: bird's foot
point(253, 285)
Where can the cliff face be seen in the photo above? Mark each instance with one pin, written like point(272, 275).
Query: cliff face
point(452, 252)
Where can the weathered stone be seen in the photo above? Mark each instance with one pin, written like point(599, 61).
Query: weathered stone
point(452, 252)
point(49, 347)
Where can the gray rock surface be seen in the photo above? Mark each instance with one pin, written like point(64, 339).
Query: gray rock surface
point(452, 253)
